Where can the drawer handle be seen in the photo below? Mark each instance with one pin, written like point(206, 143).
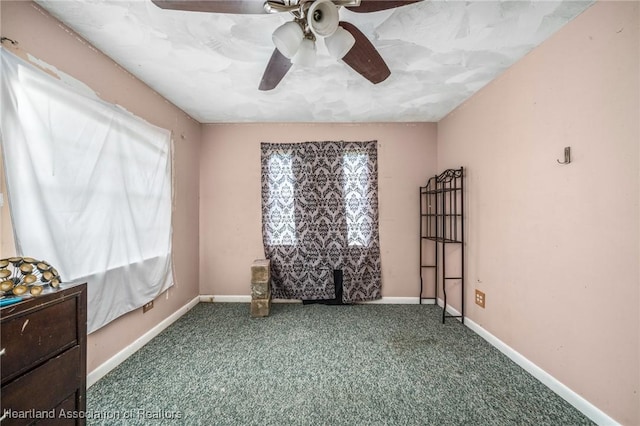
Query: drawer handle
point(2, 352)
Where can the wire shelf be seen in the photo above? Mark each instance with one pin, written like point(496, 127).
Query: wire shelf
point(442, 222)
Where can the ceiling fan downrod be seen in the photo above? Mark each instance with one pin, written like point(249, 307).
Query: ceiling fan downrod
point(291, 6)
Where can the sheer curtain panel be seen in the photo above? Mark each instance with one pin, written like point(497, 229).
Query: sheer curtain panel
point(89, 189)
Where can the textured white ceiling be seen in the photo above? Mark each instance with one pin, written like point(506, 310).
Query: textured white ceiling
point(210, 65)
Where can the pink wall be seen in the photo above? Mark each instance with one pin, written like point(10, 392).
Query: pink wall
point(556, 248)
point(46, 39)
point(230, 212)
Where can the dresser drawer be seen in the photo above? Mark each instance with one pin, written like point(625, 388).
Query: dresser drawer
point(35, 390)
point(34, 336)
point(67, 406)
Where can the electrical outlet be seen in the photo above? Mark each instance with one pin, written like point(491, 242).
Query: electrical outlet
point(147, 307)
point(480, 298)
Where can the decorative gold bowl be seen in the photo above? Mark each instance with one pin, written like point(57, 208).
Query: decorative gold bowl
point(26, 275)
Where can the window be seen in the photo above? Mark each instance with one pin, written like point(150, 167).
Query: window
point(89, 189)
point(356, 201)
point(281, 219)
point(319, 215)
point(281, 187)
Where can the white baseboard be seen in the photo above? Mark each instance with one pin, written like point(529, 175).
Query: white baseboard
point(547, 379)
point(450, 309)
point(209, 298)
point(125, 353)
point(243, 298)
point(247, 299)
point(398, 301)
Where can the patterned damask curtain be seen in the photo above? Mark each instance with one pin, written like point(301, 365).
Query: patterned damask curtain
point(319, 214)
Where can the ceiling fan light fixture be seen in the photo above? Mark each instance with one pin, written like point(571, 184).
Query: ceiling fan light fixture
point(306, 56)
point(323, 18)
point(340, 43)
point(288, 38)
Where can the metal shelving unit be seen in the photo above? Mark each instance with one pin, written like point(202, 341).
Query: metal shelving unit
point(442, 222)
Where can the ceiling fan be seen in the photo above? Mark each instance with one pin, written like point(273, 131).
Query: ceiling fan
point(295, 40)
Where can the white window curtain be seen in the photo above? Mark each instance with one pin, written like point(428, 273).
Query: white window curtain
point(89, 189)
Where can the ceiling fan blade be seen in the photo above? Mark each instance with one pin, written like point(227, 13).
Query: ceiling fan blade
point(276, 69)
point(376, 5)
point(216, 6)
point(364, 58)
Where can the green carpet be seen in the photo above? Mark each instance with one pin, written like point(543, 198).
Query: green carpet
point(323, 365)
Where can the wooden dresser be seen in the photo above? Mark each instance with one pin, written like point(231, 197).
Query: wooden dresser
point(44, 358)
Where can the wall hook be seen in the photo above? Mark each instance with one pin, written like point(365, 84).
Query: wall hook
point(3, 39)
point(567, 156)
